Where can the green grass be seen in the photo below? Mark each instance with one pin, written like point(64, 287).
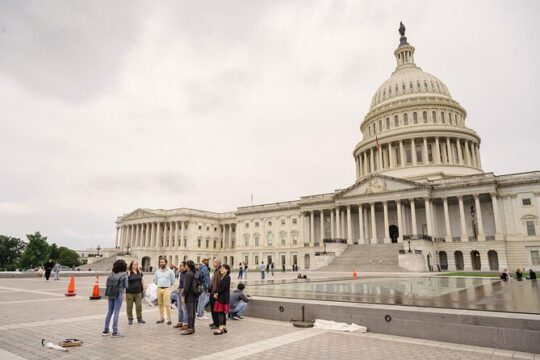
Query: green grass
point(472, 274)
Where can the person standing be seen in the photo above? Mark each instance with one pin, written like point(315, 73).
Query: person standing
point(164, 278)
point(240, 271)
point(48, 268)
point(56, 270)
point(190, 297)
point(272, 268)
point(134, 292)
point(182, 323)
point(117, 282)
point(222, 298)
point(283, 268)
point(262, 268)
point(519, 274)
point(532, 275)
point(204, 273)
point(245, 271)
point(213, 288)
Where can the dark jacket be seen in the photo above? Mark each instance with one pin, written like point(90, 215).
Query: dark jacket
point(189, 293)
point(134, 283)
point(49, 266)
point(236, 297)
point(224, 289)
point(215, 279)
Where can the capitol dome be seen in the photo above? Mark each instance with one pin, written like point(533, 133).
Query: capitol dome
point(414, 128)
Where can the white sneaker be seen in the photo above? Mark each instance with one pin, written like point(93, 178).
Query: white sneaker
point(204, 317)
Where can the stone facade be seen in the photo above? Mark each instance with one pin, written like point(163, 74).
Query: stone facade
point(419, 182)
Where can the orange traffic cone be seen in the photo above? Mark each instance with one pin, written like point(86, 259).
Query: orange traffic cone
point(355, 275)
point(71, 287)
point(95, 290)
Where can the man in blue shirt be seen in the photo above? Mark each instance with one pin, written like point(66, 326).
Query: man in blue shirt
point(204, 272)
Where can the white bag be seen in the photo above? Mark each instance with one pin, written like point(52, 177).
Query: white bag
point(151, 294)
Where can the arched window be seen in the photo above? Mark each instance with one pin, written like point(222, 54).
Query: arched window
point(388, 123)
point(434, 117)
point(256, 237)
point(403, 86)
point(405, 119)
point(424, 116)
point(415, 117)
point(396, 121)
point(442, 118)
point(380, 125)
point(270, 238)
point(246, 240)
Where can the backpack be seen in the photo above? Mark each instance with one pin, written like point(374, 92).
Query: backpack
point(113, 287)
point(198, 285)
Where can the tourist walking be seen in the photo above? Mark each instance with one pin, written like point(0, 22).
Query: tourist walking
point(164, 278)
point(134, 292)
point(283, 268)
point(190, 297)
point(182, 323)
point(262, 268)
point(222, 298)
point(240, 271)
point(56, 270)
point(204, 274)
point(213, 288)
point(48, 268)
point(117, 283)
point(272, 266)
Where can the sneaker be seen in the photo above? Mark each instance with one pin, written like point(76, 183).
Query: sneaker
point(238, 317)
point(130, 321)
point(204, 317)
point(169, 322)
point(117, 335)
point(105, 333)
point(141, 321)
point(160, 321)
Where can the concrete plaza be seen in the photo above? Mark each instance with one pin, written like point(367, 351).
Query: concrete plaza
point(32, 309)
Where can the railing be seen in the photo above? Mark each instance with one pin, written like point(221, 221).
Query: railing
point(456, 238)
point(418, 237)
point(439, 239)
point(334, 241)
point(325, 253)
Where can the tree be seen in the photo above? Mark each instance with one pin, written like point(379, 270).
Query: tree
point(68, 257)
point(10, 251)
point(36, 251)
point(54, 253)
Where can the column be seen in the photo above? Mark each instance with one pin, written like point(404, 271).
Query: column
point(117, 237)
point(224, 234)
point(427, 204)
point(361, 225)
point(371, 161)
point(494, 203)
point(413, 152)
point(356, 160)
point(182, 226)
point(147, 235)
point(228, 244)
point(459, 152)
point(343, 223)
point(401, 153)
point(380, 157)
point(464, 236)
point(311, 228)
point(467, 153)
point(437, 152)
point(321, 212)
point(175, 242)
point(349, 225)
point(170, 234)
point(152, 235)
point(338, 225)
point(386, 229)
point(449, 151)
point(365, 162)
point(137, 234)
point(303, 221)
point(158, 235)
point(391, 161)
point(447, 229)
point(373, 224)
point(478, 157)
point(165, 234)
point(425, 159)
point(473, 154)
point(400, 221)
point(332, 233)
point(481, 234)
point(413, 217)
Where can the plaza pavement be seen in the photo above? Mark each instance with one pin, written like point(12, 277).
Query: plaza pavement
point(32, 309)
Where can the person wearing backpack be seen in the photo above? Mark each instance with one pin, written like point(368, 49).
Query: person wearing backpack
point(117, 282)
point(204, 272)
point(190, 297)
point(164, 278)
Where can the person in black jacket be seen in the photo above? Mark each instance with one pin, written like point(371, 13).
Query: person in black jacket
point(222, 297)
point(48, 268)
point(190, 297)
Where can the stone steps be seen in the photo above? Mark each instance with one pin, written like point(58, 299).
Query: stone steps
point(373, 257)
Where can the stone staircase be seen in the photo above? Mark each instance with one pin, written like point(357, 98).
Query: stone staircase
point(103, 264)
point(366, 258)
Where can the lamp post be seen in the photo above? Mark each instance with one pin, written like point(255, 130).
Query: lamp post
point(98, 248)
point(408, 252)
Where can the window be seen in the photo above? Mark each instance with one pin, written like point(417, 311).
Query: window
point(535, 257)
point(215, 244)
point(256, 224)
point(531, 231)
point(424, 116)
point(434, 117)
point(442, 117)
point(270, 239)
point(198, 243)
point(247, 225)
point(430, 152)
point(396, 121)
point(388, 123)
point(415, 117)
point(405, 119)
point(283, 239)
point(403, 86)
point(526, 202)
point(246, 259)
point(198, 259)
point(200, 227)
point(294, 221)
point(246, 241)
point(207, 228)
point(294, 239)
point(282, 222)
point(380, 125)
point(269, 223)
point(215, 229)
point(257, 259)
point(257, 241)
point(207, 243)
point(408, 154)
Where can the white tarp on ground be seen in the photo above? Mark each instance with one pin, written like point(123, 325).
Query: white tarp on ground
point(151, 294)
point(332, 325)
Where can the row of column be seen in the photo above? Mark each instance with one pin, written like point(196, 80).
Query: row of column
point(393, 154)
point(341, 222)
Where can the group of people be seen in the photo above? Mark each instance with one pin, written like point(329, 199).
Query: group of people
point(50, 267)
point(196, 290)
point(242, 270)
point(520, 275)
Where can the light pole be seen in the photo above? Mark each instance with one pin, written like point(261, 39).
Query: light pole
point(98, 248)
point(408, 252)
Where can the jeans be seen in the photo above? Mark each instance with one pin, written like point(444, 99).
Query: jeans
point(114, 308)
point(239, 310)
point(191, 306)
point(57, 275)
point(137, 299)
point(203, 300)
point(262, 275)
point(164, 301)
point(240, 273)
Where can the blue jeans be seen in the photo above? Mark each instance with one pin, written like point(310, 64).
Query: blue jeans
point(203, 300)
point(114, 308)
point(239, 310)
point(262, 275)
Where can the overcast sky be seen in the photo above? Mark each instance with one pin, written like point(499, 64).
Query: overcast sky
point(110, 106)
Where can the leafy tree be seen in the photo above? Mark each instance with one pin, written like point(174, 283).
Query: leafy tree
point(54, 253)
point(68, 257)
point(36, 251)
point(10, 251)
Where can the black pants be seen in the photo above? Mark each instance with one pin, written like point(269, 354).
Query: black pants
point(191, 308)
point(214, 315)
point(222, 319)
point(47, 274)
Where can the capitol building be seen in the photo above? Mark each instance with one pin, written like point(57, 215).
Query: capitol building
point(421, 201)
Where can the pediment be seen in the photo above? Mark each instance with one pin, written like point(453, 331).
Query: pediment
point(138, 214)
point(378, 184)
